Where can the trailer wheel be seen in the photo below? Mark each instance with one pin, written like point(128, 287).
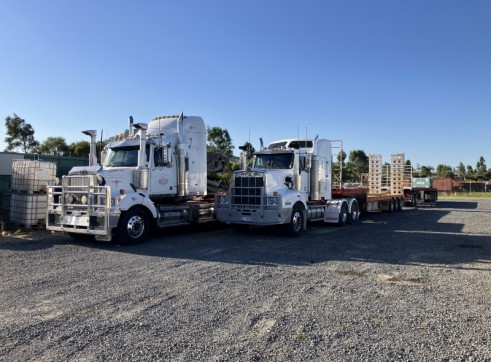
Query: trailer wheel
point(295, 226)
point(414, 201)
point(398, 204)
point(355, 212)
point(343, 215)
point(133, 227)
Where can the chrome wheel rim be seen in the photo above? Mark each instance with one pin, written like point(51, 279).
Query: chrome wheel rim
point(135, 226)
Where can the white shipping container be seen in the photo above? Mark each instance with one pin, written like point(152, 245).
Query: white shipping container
point(28, 210)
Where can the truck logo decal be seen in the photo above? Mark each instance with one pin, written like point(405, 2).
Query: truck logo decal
point(163, 181)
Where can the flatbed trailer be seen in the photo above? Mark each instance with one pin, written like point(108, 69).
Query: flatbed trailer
point(371, 202)
point(418, 195)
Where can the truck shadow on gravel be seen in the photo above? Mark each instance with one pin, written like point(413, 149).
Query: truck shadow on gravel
point(433, 235)
point(452, 234)
point(459, 205)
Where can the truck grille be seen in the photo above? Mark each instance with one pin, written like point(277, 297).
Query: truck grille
point(89, 180)
point(79, 205)
point(248, 190)
point(249, 182)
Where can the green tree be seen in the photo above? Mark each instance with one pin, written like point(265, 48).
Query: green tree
point(481, 169)
point(425, 171)
point(444, 171)
point(470, 173)
point(80, 149)
point(19, 134)
point(461, 169)
point(55, 146)
point(338, 165)
point(357, 164)
point(219, 141)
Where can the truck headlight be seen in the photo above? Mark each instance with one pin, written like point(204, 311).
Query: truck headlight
point(84, 200)
point(272, 201)
point(70, 199)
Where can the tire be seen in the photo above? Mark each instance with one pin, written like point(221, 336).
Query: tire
point(343, 215)
point(415, 201)
point(133, 227)
point(240, 228)
point(398, 205)
point(294, 228)
point(355, 212)
point(390, 206)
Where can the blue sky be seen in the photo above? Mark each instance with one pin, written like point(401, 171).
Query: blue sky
point(383, 76)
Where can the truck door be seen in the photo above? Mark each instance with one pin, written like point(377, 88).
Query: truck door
point(163, 174)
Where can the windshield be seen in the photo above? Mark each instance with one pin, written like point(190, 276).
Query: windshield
point(122, 157)
point(274, 161)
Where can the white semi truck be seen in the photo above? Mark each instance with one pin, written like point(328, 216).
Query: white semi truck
point(290, 183)
point(154, 177)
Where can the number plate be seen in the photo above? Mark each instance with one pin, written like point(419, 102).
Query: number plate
point(74, 220)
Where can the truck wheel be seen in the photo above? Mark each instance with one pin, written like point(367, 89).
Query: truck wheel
point(355, 212)
point(343, 215)
point(398, 205)
point(295, 226)
point(415, 201)
point(133, 227)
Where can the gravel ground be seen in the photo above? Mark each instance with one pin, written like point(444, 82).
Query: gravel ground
point(413, 285)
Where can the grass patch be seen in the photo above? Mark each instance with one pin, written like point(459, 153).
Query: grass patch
point(465, 196)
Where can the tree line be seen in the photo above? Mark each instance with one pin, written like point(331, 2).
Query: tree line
point(20, 136)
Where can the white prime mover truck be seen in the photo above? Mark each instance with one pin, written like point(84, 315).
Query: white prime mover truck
point(154, 177)
point(290, 183)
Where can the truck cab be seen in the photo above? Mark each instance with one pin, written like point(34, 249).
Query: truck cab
point(289, 183)
point(152, 177)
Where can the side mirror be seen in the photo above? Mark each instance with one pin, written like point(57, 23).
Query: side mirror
point(289, 182)
point(163, 155)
